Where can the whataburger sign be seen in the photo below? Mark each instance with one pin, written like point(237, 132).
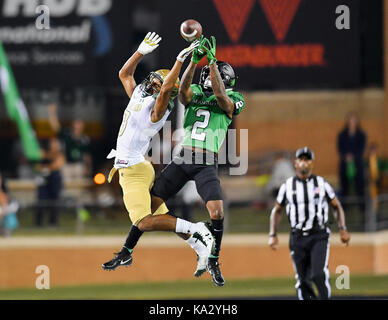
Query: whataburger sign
point(280, 14)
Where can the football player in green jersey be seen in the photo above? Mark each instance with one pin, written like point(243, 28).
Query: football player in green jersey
point(209, 108)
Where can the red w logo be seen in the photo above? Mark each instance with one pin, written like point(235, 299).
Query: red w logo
point(280, 14)
point(235, 13)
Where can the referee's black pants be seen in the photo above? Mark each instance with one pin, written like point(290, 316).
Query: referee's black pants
point(310, 256)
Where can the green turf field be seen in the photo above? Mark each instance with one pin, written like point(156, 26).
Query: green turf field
point(197, 289)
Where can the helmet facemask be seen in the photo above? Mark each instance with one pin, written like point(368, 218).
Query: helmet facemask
point(208, 84)
point(150, 85)
point(204, 79)
point(153, 83)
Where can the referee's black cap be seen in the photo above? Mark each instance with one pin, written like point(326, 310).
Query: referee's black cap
point(305, 152)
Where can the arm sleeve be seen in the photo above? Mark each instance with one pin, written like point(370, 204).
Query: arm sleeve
point(281, 198)
point(329, 192)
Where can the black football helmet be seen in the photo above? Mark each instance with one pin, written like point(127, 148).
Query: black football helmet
point(227, 75)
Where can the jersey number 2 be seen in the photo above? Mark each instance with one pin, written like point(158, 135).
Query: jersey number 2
point(200, 124)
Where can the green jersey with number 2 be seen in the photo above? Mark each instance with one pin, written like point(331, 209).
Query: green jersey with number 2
point(205, 123)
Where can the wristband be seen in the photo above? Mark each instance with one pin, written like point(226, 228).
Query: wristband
point(272, 235)
point(342, 228)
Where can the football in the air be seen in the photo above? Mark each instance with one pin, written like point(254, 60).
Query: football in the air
point(191, 30)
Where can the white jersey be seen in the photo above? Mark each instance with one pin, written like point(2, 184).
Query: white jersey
point(136, 130)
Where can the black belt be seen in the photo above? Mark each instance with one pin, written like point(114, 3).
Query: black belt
point(198, 157)
point(309, 231)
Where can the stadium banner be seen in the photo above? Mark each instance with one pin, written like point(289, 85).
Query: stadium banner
point(65, 43)
point(274, 44)
point(16, 109)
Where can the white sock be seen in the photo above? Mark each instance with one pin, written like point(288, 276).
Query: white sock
point(198, 246)
point(183, 226)
point(191, 241)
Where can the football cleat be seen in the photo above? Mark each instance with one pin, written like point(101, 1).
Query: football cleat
point(201, 265)
point(214, 269)
point(122, 258)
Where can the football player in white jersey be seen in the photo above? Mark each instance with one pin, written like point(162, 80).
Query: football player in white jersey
point(149, 106)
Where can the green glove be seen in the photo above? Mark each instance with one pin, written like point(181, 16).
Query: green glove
point(211, 50)
point(200, 51)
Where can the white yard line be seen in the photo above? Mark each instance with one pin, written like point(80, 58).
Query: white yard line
point(151, 240)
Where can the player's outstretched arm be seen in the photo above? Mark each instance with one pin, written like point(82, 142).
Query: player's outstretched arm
point(127, 71)
point(185, 93)
point(275, 219)
point(169, 84)
point(163, 98)
point(340, 216)
point(223, 100)
point(126, 74)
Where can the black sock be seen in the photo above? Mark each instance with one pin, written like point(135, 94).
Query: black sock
point(218, 230)
point(133, 236)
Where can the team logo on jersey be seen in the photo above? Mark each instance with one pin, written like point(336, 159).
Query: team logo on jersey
point(204, 102)
point(136, 107)
point(317, 190)
point(124, 162)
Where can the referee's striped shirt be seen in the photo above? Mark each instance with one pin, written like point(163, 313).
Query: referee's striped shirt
point(306, 201)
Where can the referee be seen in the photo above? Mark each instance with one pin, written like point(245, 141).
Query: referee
point(306, 198)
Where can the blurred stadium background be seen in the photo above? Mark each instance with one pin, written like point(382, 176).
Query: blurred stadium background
point(300, 76)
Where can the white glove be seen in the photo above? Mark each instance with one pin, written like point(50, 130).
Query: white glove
point(185, 52)
point(150, 43)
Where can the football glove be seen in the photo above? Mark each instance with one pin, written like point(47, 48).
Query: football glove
point(150, 43)
point(200, 51)
point(185, 52)
point(211, 50)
